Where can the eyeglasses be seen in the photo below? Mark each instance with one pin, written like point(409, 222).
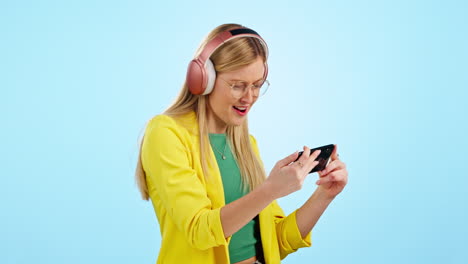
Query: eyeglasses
point(239, 88)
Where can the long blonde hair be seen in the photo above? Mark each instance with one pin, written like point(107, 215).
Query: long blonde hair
point(231, 56)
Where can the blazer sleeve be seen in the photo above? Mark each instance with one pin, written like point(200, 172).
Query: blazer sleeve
point(167, 162)
point(287, 231)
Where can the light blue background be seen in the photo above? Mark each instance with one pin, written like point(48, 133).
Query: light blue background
point(385, 80)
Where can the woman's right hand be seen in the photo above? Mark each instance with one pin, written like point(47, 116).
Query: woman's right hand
point(288, 176)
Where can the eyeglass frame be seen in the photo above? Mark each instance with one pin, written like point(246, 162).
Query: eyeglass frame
point(231, 86)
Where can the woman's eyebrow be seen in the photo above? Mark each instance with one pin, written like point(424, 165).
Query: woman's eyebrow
point(239, 80)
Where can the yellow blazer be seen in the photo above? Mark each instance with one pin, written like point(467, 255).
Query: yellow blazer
point(188, 204)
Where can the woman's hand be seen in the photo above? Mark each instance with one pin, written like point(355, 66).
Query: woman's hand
point(288, 176)
point(334, 177)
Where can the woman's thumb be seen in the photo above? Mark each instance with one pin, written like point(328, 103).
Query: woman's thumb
point(288, 159)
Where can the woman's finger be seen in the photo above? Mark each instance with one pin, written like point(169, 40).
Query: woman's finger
point(311, 162)
point(332, 166)
point(287, 160)
point(315, 155)
point(301, 162)
point(335, 176)
point(311, 166)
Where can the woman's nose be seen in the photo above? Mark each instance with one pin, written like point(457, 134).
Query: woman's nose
point(248, 96)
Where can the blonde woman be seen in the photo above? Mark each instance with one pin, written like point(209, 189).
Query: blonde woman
point(203, 173)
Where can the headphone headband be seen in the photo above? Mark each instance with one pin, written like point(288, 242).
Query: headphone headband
point(201, 73)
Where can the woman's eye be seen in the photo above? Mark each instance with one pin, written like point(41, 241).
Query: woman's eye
point(258, 85)
point(238, 86)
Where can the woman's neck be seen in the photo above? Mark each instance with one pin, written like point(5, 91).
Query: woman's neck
point(215, 124)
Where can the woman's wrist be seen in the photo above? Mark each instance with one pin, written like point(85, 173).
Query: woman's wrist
point(310, 212)
point(321, 194)
point(266, 190)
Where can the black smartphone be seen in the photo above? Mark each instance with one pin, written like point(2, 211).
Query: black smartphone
point(322, 158)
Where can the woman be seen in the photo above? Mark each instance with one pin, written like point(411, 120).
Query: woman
point(203, 172)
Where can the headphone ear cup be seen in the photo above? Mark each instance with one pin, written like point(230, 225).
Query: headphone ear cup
point(210, 75)
point(196, 77)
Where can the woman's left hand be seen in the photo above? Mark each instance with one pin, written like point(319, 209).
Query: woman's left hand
point(334, 177)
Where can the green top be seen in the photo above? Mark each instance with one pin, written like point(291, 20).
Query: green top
point(244, 243)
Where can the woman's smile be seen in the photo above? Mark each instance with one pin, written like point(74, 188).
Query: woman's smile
point(241, 110)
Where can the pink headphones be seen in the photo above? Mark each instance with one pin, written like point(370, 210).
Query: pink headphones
point(201, 74)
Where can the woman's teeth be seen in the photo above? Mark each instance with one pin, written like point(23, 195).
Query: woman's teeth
point(242, 109)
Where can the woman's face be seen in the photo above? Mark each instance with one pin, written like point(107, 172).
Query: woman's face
point(224, 109)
